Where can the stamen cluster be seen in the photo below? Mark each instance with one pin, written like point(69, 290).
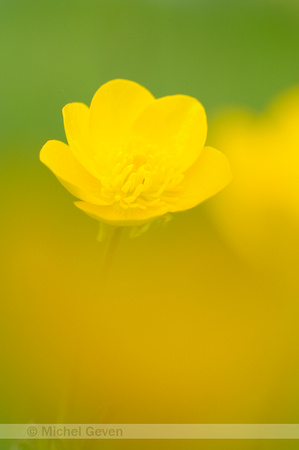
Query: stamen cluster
point(138, 180)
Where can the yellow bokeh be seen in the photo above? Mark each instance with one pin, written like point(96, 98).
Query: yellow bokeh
point(259, 212)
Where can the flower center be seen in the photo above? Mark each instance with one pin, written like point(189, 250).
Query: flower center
point(138, 179)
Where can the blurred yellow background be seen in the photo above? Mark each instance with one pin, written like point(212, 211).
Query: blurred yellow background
point(198, 322)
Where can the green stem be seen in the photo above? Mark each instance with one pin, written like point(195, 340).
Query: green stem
point(114, 240)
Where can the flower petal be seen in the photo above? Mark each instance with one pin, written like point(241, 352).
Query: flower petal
point(58, 157)
point(76, 125)
point(115, 215)
point(114, 109)
point(176, 125)
point(210, 173)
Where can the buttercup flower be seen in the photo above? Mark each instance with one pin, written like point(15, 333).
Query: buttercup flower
point(132, 158)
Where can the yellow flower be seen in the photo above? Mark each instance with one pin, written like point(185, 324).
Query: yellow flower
point(131, 158)
point(259, 212)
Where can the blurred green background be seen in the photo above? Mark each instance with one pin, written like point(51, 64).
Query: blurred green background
point(185, 332)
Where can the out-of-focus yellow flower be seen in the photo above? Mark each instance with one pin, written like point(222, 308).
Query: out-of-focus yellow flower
point(131, 158)
point(259, 211)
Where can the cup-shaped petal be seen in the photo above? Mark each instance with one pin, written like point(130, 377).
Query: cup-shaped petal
point(210, 173)
point(115, 215)
point(76, 125)
point(58, 157)
point(174, 127)
point(113, 110)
